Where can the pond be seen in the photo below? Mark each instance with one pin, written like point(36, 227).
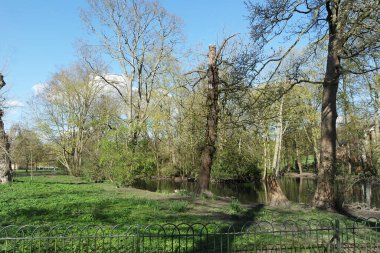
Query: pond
point(300, 190)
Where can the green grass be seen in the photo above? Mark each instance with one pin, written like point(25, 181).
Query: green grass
point(179, 206)
point(234, 208)
point(64, 200)
point(70, 200)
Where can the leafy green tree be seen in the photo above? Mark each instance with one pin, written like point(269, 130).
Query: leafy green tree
point(348, 28)
point(123, 165)
point(27, 148)
point(65, 111)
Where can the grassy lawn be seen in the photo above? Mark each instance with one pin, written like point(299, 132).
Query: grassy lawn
point(70, 200)
point(66, 201)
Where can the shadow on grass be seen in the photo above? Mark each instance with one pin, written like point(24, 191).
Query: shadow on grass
point(370, 222)
point(223, 239)
point(113, 211)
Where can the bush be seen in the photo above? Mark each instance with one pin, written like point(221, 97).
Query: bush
point(126, 164)
point(179, 206)
point(234, 208)
point(231, 164)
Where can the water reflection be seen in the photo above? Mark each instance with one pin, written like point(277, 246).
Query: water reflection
point(367, 193)
point(300, 190)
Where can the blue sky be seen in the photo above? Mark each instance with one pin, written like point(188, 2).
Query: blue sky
point(38, 37)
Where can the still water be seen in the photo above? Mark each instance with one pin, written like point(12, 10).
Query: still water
point(299, 190)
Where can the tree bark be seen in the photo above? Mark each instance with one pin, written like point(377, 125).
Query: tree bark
point(316, 156)
point(265, 157)
point(298, 163)
point(209, 148)
point(376, 108)
point(324, 197)
point(5, 162)
point(276, 196)
point(277, 148)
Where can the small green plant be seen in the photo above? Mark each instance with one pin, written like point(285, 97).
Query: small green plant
point(179, 206)
point(165, 191)
point(234, 207)
point(207, 195)
point(182, 192)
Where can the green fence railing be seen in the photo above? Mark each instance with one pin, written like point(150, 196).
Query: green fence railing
point(258, 236)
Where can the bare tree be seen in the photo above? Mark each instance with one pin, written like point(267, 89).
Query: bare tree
point(64, 112)
point(140, 35)
point(350, 28)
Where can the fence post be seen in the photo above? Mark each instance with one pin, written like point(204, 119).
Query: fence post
point(337, 235)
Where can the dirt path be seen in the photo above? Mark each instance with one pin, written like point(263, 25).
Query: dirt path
point(361, 212)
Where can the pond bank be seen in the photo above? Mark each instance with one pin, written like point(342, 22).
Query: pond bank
point(359, 211)
point(298, 175)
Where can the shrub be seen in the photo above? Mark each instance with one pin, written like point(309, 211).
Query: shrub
point(234, 207)
point(179, 206)
point(126, 164)
point(231, 164)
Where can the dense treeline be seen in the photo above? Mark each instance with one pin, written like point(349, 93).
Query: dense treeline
point(97, 142)
point(270, 113)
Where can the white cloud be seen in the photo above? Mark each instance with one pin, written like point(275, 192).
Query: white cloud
point(38, 88)
point(14, 103)
point(117, 81)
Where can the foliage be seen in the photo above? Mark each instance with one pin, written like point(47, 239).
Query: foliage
point(57, 200)
point(149, 118)
point(234, 163)
point(64, 111)
point(27, 148)
point(123, 163)
point(235, 208)
point(179, 206)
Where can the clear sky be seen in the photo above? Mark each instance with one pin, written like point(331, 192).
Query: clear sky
point(39, 36)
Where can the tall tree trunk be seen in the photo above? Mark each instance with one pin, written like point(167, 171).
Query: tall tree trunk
point(324, 197)
point(278, 144)
point(5, 163)
point(275, 193)
point(346, 110)
point(298, 159)
point(348, 157)
point(376, 108)
point(376, 114)
point(276, 197)
point(316, 156)
point(313, 141)
point(209, 148)
point(265, 156)
point(368, 195)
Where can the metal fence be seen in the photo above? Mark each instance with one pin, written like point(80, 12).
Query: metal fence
point(258, 236)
